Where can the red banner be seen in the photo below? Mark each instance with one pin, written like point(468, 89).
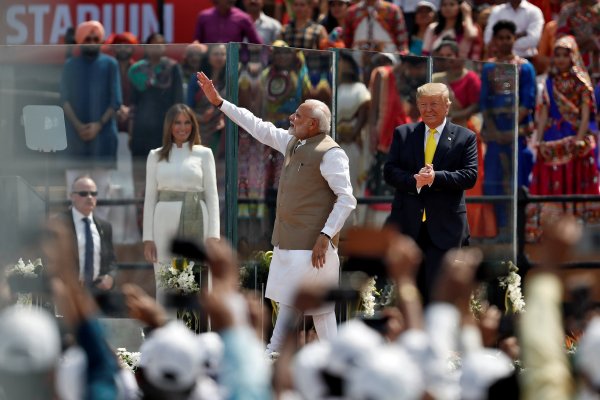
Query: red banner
point(46, 21)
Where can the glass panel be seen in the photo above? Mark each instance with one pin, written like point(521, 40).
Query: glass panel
point(484, 99)
point(375, 93)
point(273, 82)
point(115, 100)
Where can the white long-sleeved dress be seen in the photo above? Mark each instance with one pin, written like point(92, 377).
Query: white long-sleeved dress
point(188, 170)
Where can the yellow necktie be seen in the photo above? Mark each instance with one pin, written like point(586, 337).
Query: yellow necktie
point(430, 146)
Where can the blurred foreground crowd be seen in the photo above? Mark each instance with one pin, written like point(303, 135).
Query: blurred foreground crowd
point(439, 352)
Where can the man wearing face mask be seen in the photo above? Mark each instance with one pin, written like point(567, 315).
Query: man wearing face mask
point(90, 93)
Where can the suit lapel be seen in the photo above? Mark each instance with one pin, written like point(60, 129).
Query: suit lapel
point(418, 145)
point(444, 144)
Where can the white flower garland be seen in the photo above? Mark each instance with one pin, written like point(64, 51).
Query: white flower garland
point(367, 296)
point(129, 360)
point(512, 283)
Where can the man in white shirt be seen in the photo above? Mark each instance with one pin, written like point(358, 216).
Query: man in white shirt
point(95, 254)
point(529, 20)
point(268, 28)
point(313, 201)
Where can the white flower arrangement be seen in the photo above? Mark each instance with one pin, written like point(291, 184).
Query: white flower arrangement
point(129, 360)
point(178, 276)
point(367, 296)
point(29, 270)
point(514, 300)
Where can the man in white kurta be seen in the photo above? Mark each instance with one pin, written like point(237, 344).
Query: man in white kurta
point(298, 259)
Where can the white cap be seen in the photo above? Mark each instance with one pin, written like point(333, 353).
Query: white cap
point(388, 373)
point(171, 358)
point(480, 370)
point(428, 4)
point(353, 341)
point(307, 370)
point(212, 350)
point(29, 340)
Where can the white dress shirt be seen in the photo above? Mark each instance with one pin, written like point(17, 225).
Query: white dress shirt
point(527, 17)
point(80, 233)
point(289, 268)
point(334, 166)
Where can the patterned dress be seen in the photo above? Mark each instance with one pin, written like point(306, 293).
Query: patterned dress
point(563, 166)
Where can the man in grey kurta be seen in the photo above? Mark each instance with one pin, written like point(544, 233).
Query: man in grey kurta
point(313, 201)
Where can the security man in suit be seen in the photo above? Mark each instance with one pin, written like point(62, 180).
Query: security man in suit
point(96, 257)
point(431, 164)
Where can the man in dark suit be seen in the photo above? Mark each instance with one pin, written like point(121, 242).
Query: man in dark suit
point(431, 164)
point(95, 254)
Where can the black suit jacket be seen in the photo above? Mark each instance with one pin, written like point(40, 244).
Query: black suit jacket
point(107, 253)
point(455, 166)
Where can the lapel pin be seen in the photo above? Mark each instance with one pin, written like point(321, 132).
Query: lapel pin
point(449, 138)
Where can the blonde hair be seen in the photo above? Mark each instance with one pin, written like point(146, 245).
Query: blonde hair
point(434, 89)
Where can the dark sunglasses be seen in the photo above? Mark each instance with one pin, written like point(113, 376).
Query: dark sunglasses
point(86, 194)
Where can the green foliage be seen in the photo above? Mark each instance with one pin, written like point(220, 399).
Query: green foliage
point(254, 273)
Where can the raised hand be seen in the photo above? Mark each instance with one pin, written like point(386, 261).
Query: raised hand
point(209, 89)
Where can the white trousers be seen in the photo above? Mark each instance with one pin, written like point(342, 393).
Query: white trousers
point(325, 325)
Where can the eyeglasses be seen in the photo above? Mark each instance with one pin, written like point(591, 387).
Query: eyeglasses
point(84, 193)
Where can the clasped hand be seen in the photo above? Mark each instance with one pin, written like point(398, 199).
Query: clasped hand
point(425, 176)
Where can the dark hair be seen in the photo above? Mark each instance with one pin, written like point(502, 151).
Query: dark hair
point(504, 24)
point(448, 43)
point(458, 24)
point(153, 36)
point(172, 113)
point(207, 68)
point(347, 57)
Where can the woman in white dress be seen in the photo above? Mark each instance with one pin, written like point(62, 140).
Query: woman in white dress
point(181, 189)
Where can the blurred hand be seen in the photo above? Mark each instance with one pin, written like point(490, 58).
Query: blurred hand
point(143, 307)
point(106, 282)
point(457, 278)
point(466, 9)
point(223, 265)
point(558, 239)
point(309, 296)
point(403, 258)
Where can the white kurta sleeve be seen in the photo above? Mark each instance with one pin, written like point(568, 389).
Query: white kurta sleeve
point(264, 131)
point(211, 196)
point(336, 171)
point(151, 196)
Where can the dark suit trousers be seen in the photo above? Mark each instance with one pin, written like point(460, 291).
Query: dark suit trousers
point(431, 265)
